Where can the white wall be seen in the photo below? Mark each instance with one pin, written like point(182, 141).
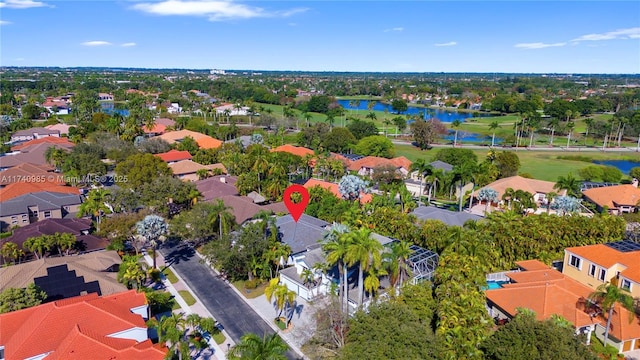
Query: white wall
point(137, 334)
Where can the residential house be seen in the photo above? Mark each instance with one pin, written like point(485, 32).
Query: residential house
point(105, 97)
point(294, 150)
point(538, 188)
point(80, 228)
point(594, 265)
point(203, 141)
point(33, 153)
point(157, 129)
point(50, 140)
point(67, 276)
point(174, 108)
point(173, 156)
point(56, 106)
point(82, 327)
point(415, 184)
point(244, 141)
point(26, 172)
point(26, 209)
point(616, 199)
point(232, 109)
point(216, 187)
point(62, 128)
point(245, 208)
point(305, 240)
point(548, 292)
point(166, 122)
point(334, 188)
point(33, 133)
point(187, 170)
point(451, 218)
point(53, 185)
point(366, 165)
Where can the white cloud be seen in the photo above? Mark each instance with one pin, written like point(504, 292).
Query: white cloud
point(450, 43)
point(96, 43)
point(4, 22)
point(539, 45)
point(395, 29)
point(214, 10)
point(129, 44)
point(22, 4)
point(630, 33)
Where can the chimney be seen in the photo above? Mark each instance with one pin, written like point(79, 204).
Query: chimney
point(634, 182)
point(223, 180)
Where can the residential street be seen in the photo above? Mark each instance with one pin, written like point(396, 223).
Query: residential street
point(223, 303)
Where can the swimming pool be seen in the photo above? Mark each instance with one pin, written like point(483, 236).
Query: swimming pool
point(492, 285)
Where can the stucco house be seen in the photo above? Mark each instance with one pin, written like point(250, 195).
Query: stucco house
point(617, 199)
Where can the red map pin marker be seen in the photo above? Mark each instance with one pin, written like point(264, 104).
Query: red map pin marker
point(296, 210)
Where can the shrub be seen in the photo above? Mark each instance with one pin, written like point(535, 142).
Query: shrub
point(251, 284)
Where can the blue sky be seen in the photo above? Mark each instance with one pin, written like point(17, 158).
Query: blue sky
point(398, 36)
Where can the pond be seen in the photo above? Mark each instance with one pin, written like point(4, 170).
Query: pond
point(624, 165)
point(467, 137)
point(445, 116)
point(108, 107)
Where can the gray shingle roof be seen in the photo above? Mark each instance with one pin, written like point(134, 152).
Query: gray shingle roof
point(43, 200)
point(308, 232)
point(442, 165)
point(448, 217)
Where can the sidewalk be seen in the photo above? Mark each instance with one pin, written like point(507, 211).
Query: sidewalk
point(197, 308)
point(303, 319)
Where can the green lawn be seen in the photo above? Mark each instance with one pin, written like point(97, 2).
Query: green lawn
point(170, 275)
point(219, 338)
point(543, 165)
point(250, 293)
point(188, 298)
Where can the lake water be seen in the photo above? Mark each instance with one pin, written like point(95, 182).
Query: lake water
point(467, 137)
point(109, 108)
point(445, 116)
point(624, 165)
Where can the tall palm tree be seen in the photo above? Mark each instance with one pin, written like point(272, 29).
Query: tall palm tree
point(365, 251)
point(95, 205)
point(424, 169)
point(553, 124)
point(456, 124)
point(607, 296)
point(308, 278)
point(569, 183)
point(550, 197)
point(37, 245)
point(493, 126)
point(372, 281)
point(11, 252)
point(463, 174)
point(397, 262)
point(283, 297)
point(252, 347)
point(336, 245)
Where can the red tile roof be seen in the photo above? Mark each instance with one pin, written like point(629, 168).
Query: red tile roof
point(77, 328)
point(364, 198)
point(48, 139)
point(372, 162)
point(295, 150)
point(607, 257)
point(614, 196)
point(22, 188)
point(174, 155)
point(156, 129)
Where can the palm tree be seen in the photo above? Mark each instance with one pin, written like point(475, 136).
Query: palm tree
point(95, 205)
point(423, 168)
point(493, 126)
point(252, 347)
point(606, 296)
point(372, 281)
point(397, 262)
point(132, 273)
point(221, 217)
point(553, 123)
point(365, 251)
point(336, 245)
point(508, 195)
point(589, 123)
point(307, 117)
point(283, 297)
point(455, 124)
point(330, 120)
point(308, 278)
point(569, 183)
point(37, 245)
point(550, 197)
point(463, 174)
point(11, 252)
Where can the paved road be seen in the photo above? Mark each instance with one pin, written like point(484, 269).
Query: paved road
point(223, 303)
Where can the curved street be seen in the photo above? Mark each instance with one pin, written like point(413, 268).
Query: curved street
point(223, 303)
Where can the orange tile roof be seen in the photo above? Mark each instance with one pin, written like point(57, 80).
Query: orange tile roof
point(22, 188)
point(532, 265)
point(204, 141)
point(207, 142)
point(614, 196)
point(295, 150)
point(77, 328)
point(47, 139)
point(26, 172)
point(156, 129)
point(174, 155)
point(606, 256)
point(549, 292)
point(364, 198)
point(532, 186)
point(371, 162)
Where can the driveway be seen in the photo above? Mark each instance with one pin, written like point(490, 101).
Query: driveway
point(223, 303)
